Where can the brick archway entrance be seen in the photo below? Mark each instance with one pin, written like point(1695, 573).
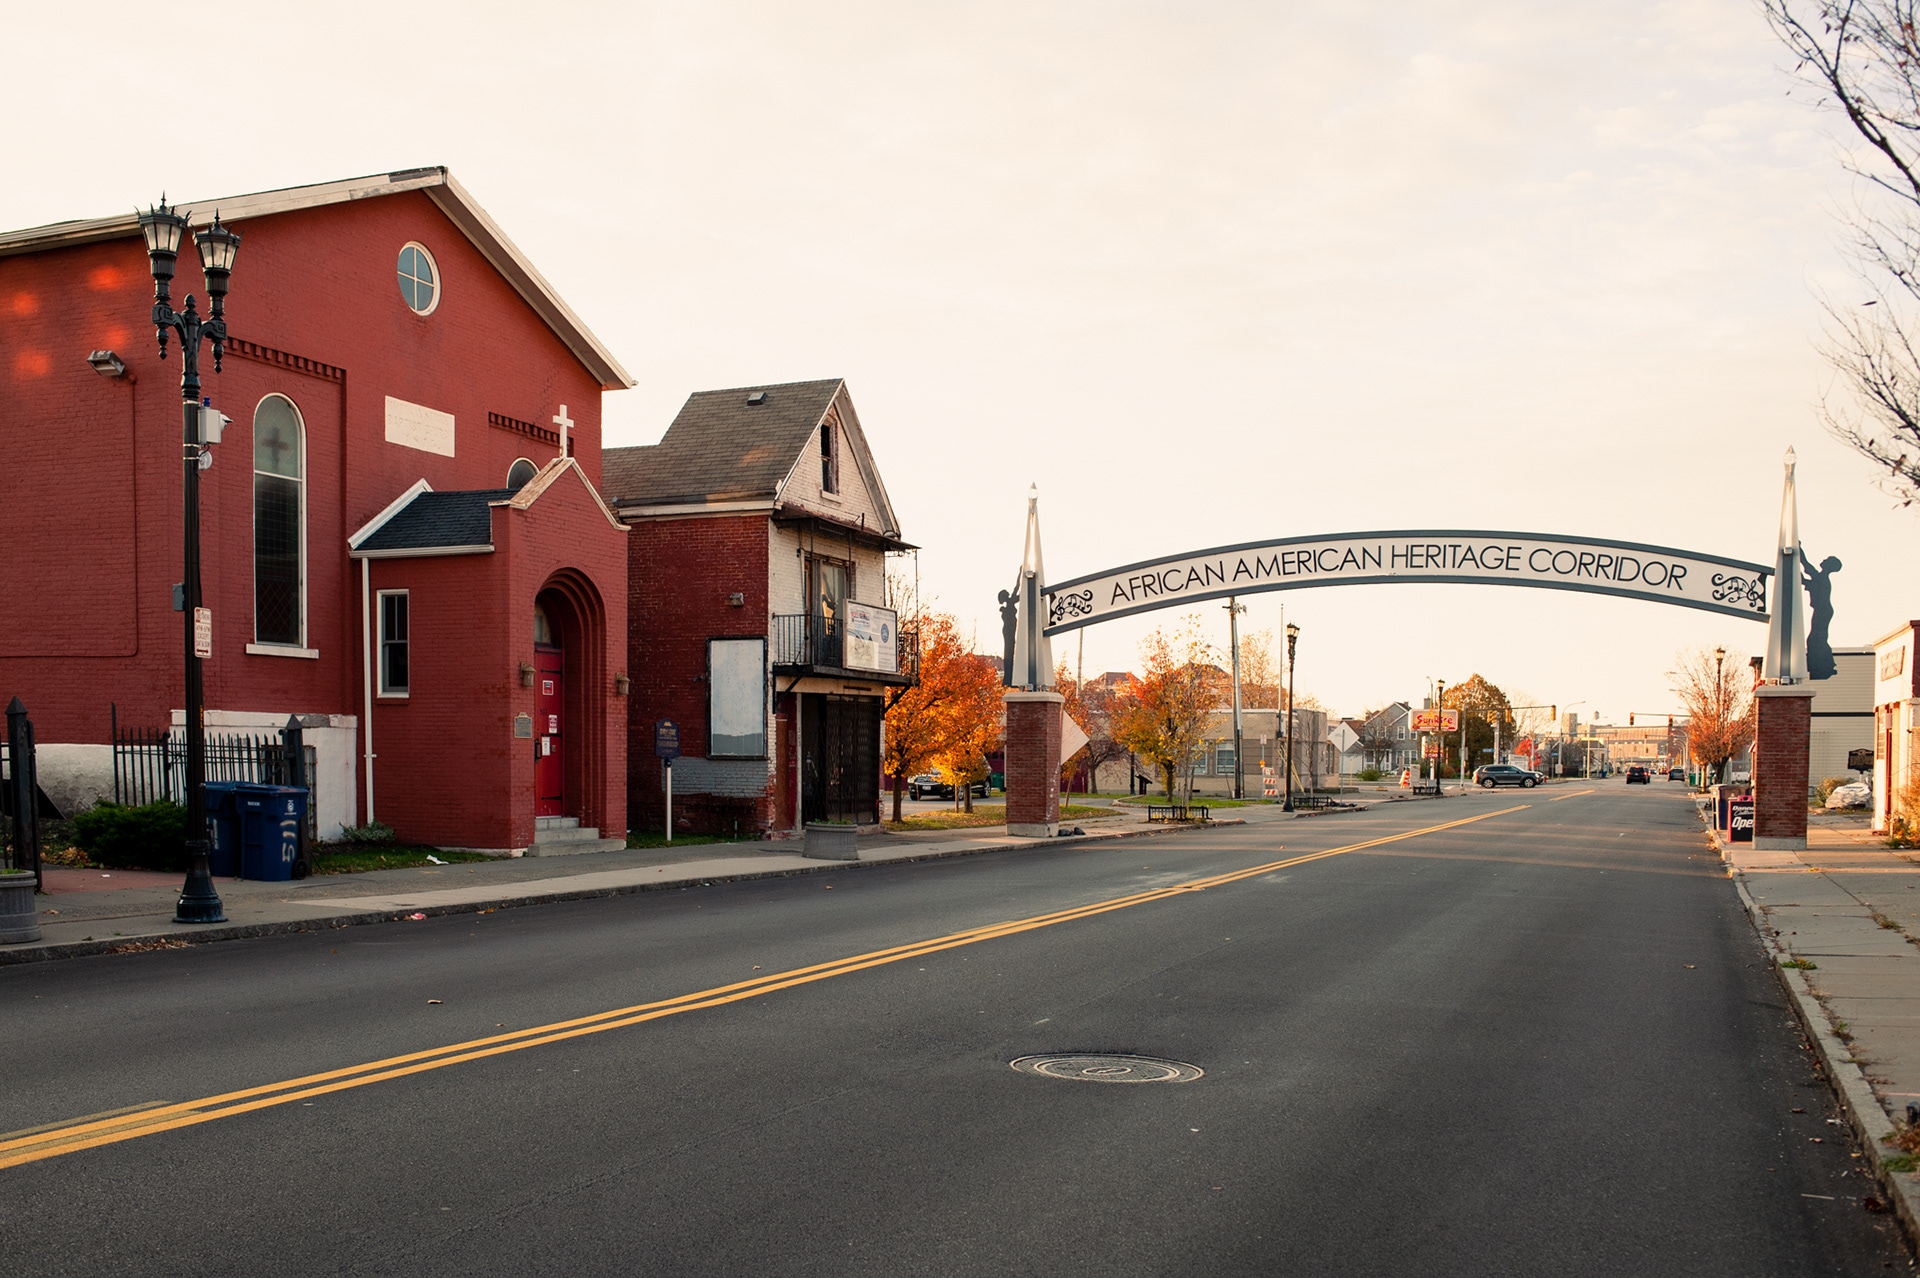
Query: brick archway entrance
point(571, 687)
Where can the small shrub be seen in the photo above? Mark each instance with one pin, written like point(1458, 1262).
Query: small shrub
point(1825, 789)
point(378, 832)
point(1369, 774)
point(150, 837)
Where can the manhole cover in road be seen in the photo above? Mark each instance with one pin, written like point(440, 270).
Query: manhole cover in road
point(1108, 1067)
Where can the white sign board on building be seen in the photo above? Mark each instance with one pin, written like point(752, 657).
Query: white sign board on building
point(872, 638)
point(417, 426)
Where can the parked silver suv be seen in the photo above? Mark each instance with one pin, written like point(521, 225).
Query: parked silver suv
point(1493, 774)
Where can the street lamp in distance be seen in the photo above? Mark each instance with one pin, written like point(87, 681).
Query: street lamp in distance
point(164, 228)
point(1293, 637)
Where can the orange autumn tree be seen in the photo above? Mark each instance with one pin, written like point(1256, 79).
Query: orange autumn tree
point(971, 723)
point(1162, 715)
point(947, 718)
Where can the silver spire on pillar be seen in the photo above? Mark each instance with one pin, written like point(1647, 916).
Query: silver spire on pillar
point(1032, 650)
point(1786, 659)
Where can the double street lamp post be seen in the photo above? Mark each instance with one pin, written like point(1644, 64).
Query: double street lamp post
point(164, 228)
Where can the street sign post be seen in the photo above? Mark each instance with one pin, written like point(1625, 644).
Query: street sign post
point(666, 744)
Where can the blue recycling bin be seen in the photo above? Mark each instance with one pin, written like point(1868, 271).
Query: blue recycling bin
point(256, 829)
point(223, 850)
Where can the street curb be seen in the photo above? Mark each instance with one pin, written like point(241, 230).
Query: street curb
point(334, 922)
point(1869, 1121)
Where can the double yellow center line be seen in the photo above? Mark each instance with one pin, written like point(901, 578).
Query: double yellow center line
point(107, 1129)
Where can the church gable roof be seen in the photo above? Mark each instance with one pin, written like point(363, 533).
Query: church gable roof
point(435, 182)
point(436, 523)
point(421, 521)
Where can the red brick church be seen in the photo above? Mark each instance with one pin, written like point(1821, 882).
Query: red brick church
point(403, 539)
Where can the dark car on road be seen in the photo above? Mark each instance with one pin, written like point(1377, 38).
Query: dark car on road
point(1640, 775)
point(929, 786)
point(1494, 774)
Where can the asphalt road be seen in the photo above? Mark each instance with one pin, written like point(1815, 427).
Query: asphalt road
point(1542, 1042)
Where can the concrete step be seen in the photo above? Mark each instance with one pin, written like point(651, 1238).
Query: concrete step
point(566, 834)
point(556, 823)
point(574, 847)
point(569, 840)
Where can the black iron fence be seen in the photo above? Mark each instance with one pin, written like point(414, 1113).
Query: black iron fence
point(802, 639)
point(150, 764)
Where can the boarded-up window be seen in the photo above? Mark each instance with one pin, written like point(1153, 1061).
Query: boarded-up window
point(737, 698)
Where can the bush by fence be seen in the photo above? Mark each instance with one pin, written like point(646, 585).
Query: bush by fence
point(152, 836)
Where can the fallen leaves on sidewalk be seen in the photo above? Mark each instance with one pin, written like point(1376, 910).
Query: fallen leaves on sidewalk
point(141, 947)
point(1905, 1139)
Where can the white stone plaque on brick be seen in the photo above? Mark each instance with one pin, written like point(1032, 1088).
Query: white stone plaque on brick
point(417, 426)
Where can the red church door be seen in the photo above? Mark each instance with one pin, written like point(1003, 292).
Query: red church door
point(549, 758)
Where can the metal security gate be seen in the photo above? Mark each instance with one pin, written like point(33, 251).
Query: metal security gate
point(840, 763)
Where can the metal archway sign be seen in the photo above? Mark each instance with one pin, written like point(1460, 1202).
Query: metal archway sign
point(1595, 565)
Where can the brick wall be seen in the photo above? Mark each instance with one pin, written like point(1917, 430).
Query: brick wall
point(450, 771)
point(1780, 766)
point(318, 316)
point(680, 573)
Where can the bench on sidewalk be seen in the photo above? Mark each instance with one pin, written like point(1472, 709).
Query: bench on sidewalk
point(1175, 812)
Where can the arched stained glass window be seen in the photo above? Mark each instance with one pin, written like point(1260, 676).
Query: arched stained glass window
point(279, 523)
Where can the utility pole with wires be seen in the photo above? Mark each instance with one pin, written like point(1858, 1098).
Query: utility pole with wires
point(1234, 609)
point(1080, 685)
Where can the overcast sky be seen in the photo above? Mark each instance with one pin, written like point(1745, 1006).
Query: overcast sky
point(1206, 273)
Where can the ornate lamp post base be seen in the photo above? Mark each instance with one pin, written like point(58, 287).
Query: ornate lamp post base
point(199, 903)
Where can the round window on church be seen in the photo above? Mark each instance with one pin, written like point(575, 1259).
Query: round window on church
point(419, 279)
point(522, 474)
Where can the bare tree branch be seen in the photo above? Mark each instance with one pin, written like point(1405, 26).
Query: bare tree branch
point(1865, 58)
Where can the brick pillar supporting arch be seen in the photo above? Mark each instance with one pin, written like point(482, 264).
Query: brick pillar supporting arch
point(1781, 744)
point(1034, 721)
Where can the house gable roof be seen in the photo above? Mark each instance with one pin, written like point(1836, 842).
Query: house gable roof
point(722, 448)
point(436, 183)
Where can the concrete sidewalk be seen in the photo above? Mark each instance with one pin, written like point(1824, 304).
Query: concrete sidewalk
point(91, 918)
point(1848, 908)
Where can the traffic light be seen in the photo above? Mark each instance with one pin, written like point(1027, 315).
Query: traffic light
point(1629, 720)
point(1669, 723)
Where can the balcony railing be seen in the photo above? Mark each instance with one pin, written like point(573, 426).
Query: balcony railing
point(803, 641)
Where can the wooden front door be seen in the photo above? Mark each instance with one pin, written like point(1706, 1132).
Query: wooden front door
point(549, 724)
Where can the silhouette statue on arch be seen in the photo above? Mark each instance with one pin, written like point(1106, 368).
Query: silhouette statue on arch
point(1009, 627)
point(1819, 584)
